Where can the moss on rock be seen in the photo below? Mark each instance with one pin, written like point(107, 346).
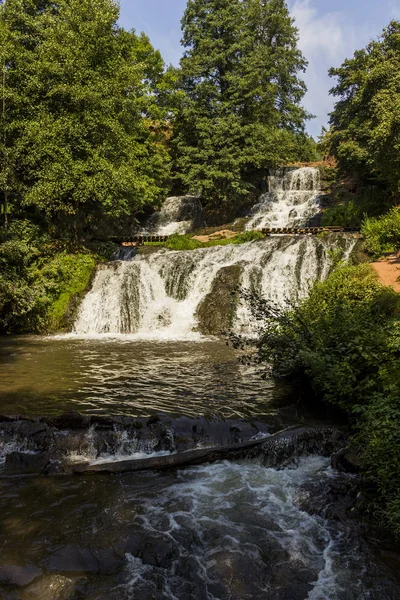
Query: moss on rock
point(216, 312)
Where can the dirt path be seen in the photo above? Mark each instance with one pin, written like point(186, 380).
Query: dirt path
point(388, 270)
point(224, 234)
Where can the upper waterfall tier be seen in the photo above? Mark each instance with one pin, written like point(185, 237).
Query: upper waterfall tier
point(178, 214)
point(179, 294)
point(292, 199)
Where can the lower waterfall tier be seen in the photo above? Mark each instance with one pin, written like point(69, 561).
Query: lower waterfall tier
point(181, 295)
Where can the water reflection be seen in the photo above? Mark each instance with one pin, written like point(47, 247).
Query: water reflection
point(51, 375)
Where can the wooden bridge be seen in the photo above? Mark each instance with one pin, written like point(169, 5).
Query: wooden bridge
point(139, 240)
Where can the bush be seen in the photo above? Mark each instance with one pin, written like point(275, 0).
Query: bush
point(345, 341)
point(38, 279)
point(382, 234)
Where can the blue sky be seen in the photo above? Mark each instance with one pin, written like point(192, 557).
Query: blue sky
point(330, 31)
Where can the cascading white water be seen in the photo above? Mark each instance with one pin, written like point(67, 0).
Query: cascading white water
point(179, 214)
point(158, 296)
point(292, 199)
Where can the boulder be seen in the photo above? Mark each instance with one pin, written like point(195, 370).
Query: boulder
point(347, 460)
point(69, 420)
point(19, 576)
point(70, 559)
point(216, 312)
point(21, 463)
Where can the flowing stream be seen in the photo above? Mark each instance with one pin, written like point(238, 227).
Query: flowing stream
point(145, 344)
point(291, 201)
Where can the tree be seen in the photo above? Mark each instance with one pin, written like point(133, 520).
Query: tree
point(241, 111)
point(366, 119)
point(85, 105)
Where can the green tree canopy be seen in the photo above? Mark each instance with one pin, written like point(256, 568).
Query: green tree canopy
point(83, 123)
point(241, 112)
point(366, 119)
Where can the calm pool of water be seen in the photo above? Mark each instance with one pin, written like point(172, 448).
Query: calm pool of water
point(123, 376)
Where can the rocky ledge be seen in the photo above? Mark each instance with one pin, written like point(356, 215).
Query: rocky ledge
point(78, 444)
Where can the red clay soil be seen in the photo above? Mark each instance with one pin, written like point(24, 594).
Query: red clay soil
point(388, 270)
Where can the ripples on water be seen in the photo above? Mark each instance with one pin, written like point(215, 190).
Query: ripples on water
point(125, 376)
point(229, 531)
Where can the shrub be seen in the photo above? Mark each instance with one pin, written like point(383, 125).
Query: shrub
point(38, 279)
point(382, 234)
point(345, 340)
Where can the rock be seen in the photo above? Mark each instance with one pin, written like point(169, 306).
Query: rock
point(153, 421)
point(29, 428)
point(347, 460)
point(155, 551)
point(70, 420)
point(18, 463)
point(56, 587)
point(19, 576)
point(71, 559)
point(54, 467)
point(109, 561)
point(216, 312)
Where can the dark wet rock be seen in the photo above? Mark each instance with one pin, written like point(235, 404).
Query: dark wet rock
point(70, 420)
point(153, 421)
point(19, 576)
point(18, 463)
point(216, 312)
point(347, 460)
point(109, 561)
point(71, 559)
point(9, 418)
point(57, 587)
point(156, 551)
point(27, 429)
point(279, 450)
point(54, 467)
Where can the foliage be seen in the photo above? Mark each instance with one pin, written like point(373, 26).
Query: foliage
point(240, 109)
point(366, 119)
point(350, 208)
point(382, 234)
point(84, 126)
point(39, 279)
point(345, 340)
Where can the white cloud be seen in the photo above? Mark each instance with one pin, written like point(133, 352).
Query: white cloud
point(325, 40)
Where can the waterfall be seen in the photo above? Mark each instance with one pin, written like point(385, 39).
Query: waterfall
point(179, 214)
point(158, 296)
point(180, 295)
point(292, 199)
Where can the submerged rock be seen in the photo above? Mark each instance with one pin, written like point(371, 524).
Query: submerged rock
point(18, 463)
point(19, 576)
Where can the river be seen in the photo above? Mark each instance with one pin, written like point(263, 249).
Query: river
point(145, 345)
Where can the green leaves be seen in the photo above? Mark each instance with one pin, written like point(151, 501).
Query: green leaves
point(85, 127)
point(365, 135)
point(382, 234)
point(345, 340)
point(240, 113)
